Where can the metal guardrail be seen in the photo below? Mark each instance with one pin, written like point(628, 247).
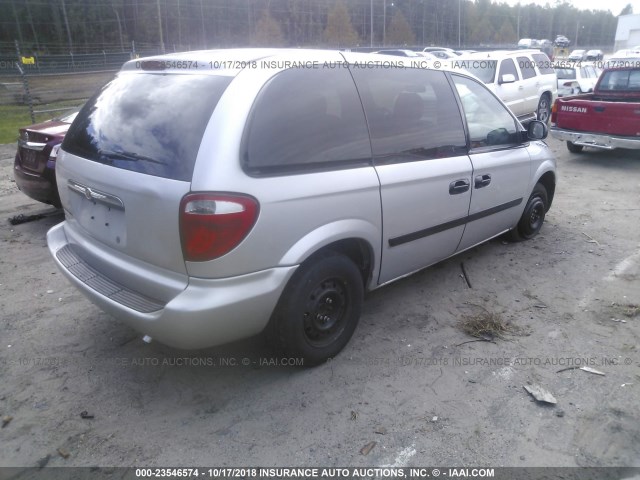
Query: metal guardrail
point(35, 64)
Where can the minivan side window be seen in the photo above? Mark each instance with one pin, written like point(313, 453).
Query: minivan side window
point(507, 66)
point(489, 122)
point(412, 114)
point(526, 67)
point(303, 120)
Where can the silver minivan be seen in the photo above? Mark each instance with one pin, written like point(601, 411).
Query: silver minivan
point(211, 196)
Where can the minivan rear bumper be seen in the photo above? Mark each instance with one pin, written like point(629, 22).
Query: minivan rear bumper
point(206, 313)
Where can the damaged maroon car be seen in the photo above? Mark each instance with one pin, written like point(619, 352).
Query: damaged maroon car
point(35, 162)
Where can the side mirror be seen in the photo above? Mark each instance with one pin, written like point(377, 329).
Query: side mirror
point(507, 78)
point(537, 130)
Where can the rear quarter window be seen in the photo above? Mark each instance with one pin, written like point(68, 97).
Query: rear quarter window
point(305, 120)
point(147, 122)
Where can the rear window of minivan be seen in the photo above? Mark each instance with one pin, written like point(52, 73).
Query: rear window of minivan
point(147, 122)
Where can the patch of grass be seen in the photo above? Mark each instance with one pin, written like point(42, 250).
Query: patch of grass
point(13, 117)
point(629, 310)
point(485, 325)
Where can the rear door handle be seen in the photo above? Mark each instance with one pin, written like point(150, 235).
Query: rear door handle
point(458, 186)
point(482, 180)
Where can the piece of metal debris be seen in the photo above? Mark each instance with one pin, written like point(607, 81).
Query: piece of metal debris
point(85, 414)
point(6, 420)
point(464, 275)
point(64, 453)
point(592, 370)
point(540, 394)
point(367, 448)
point(380, 431)
point(591, 239)
point(354, 415)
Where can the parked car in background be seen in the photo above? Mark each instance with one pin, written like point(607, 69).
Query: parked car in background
point(526, 43)
point(546, 46)
point(399, 52)
point(562, 41)
point(595, 55)
point(208, 207)
point(575, 79)
point(524, 79)
point(577, 55)
point(443, 54)
point(605, 119)
point(440, 49)
point(35, 161)
point(624, 58)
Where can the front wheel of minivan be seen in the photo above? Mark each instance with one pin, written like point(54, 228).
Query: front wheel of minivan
point(533, 216)
point(319, 309)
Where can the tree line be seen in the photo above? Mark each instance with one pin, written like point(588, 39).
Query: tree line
point(63, 26)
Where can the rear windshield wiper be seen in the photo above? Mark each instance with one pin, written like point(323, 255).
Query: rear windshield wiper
point(128, 156)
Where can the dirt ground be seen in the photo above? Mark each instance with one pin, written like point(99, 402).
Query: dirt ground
point(409, 380)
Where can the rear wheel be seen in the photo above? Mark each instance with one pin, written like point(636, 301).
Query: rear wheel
point(319, 309)
point(533, 216)
point(544, 108)
point(573, 148)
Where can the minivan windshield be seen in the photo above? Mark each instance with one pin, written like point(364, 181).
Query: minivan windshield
point(147, 122)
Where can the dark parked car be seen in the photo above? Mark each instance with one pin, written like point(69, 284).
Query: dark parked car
point(594, 55)
point(562, 41)
point(35, 162)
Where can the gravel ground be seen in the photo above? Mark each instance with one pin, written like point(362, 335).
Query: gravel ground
point(409, 380)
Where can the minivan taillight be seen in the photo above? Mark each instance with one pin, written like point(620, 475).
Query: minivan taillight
point(211, 224)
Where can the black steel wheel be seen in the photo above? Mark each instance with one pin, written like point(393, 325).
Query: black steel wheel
point(533, 216)
point(319, 309)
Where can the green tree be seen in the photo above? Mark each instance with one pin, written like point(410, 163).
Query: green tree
point(628, 10)
point(399, 32)
point(340, 31)
point(506, 34)
point(482, 32)
point(268, 32)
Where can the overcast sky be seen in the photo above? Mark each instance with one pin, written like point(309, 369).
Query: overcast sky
point(615, 6)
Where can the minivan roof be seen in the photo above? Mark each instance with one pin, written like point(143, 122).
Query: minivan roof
point(230, 62)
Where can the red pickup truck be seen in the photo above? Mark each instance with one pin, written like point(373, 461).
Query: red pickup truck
point(608, 118)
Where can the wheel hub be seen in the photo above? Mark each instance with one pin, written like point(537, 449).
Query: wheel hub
point(325, 310)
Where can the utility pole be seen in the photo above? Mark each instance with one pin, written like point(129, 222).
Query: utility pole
point(160, 28)
point(66, 24)
point(459, 18)
point(384, 24)
point(371, 26)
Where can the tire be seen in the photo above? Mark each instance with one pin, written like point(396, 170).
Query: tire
point(573, 148)
point(533, 216)
point(319, 309)
point(544, 108)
